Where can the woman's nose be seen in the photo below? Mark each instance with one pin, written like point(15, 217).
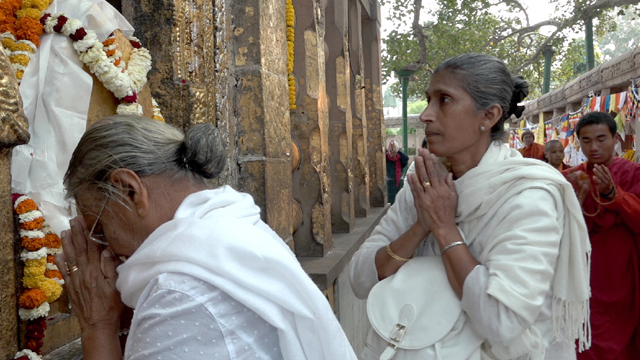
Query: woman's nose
point(426, 115)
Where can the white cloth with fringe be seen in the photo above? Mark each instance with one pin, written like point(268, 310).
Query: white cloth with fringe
point(523, 223)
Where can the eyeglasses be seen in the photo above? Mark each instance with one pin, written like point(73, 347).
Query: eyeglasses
point(91, 235)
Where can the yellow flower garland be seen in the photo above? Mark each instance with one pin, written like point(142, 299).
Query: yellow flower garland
point(291, 22)
point(20, 52)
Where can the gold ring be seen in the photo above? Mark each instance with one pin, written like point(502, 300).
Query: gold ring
point(426, 184)
point(72, 269)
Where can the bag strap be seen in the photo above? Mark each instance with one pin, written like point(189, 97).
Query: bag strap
point(405, 318)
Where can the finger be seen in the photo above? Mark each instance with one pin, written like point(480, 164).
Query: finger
point(413, 181)
point(417, 190)
point(108, 265)
point(432, 171)
point(421, 169)
point(61, 262)
point(441, 175)
point(78, 234)
point(69, 249)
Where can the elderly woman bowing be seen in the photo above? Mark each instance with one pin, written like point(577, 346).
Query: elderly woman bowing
point(206, 277)
point(496, 246)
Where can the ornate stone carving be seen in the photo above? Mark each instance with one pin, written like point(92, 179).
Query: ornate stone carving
point(14, 126)
point(194, 55)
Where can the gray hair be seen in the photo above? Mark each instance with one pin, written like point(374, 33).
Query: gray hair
point(146, 147)
point(489, 82)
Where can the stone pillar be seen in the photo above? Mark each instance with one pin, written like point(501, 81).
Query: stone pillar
point(13, 132)
point(310, 131)
point(340, 116)
point(374, 110)
point(263, 134)
point(191, 77)
point(359, 118)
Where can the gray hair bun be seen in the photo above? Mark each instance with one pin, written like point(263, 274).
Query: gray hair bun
point(203, 151)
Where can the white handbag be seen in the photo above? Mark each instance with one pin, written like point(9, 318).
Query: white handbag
point(416, 308)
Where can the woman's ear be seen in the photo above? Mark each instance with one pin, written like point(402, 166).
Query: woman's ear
point(492, 115)
point(131, 188)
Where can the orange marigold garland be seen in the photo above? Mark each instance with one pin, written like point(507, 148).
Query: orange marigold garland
point(20, 31)
point(41, 279)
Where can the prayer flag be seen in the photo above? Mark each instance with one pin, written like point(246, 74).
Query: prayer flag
point(564, 129)
point(622, 99)
point(540, 131)
point(613, 103)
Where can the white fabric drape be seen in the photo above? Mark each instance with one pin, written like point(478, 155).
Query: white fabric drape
point(500, 176)
point(217, 236)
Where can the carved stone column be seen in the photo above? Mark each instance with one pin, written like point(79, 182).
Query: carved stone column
point(374, 111)
point(310, 130)
point(191, 74)
point(340, 116)
point(13, 132)
point(359, 119)
point(263, 133)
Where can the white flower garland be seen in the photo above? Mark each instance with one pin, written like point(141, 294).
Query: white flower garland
point(125, 85)
point(40, 311)
point(28, 353)
point(33, 255)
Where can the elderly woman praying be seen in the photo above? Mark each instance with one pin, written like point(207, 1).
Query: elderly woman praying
point(503, 237)
point(206, 277)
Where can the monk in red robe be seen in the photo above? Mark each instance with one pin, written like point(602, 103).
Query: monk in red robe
point(609, 190)
point(554, 153)
point(531, 149)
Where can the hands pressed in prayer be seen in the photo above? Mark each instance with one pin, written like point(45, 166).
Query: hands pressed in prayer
point(434, 193)
point(90, 279)
point(581, 183)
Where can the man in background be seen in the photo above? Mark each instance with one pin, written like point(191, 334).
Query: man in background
point(531, 149)
point(608, 188)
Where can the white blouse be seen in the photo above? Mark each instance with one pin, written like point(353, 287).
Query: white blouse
point(183, 317)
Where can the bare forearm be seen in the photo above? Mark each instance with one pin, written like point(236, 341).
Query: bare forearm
point(458, 260)
point(405, 246)
point(101, 344)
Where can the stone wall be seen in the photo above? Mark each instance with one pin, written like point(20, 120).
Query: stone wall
point(611, 77)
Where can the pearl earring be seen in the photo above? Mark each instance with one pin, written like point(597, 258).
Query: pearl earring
point(482, 128)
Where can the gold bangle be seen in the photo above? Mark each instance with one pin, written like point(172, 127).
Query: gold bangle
point(393, 255)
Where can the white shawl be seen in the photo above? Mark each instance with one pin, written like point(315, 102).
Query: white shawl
point(217, 236)
point(500, 176)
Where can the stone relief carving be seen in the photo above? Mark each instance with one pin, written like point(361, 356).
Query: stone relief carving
point(194, 59)
point(14, 126)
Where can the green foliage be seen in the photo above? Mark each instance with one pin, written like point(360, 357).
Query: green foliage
point(454, 27)
point(393, 131)
point(416, 107)
point(626, 35)
point(411, 130)
point(389, 99)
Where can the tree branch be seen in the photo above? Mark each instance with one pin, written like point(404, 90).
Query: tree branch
point(419, 33)
point(521, 7)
